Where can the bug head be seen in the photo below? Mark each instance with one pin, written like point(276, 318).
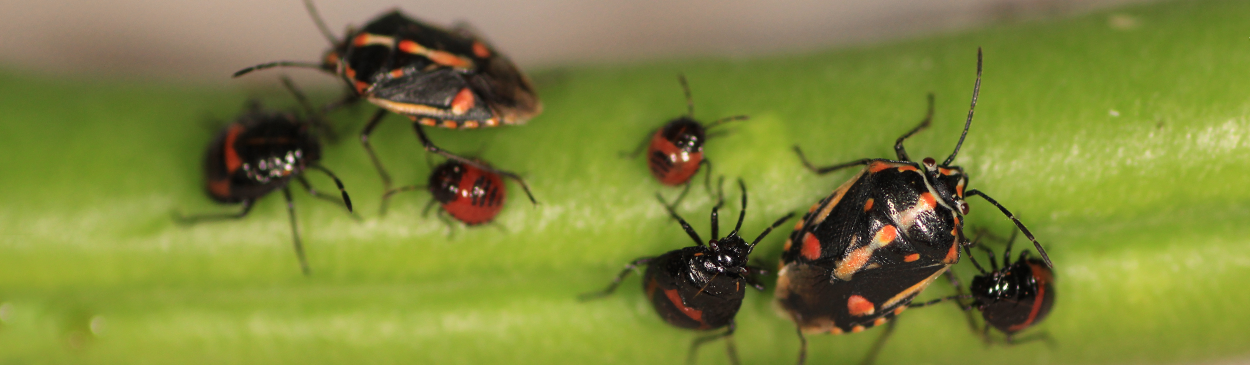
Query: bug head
point(949, 182)
point(685, 133)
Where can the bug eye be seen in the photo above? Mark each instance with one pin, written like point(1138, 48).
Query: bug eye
point(963, 207)
point(929, 163)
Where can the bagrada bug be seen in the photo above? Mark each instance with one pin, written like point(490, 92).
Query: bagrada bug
point(860, 255)
point(471, 195)
point(675, 151)
point(1015, 297)
point(261, 152)
point(699, 287)
point(436, 77)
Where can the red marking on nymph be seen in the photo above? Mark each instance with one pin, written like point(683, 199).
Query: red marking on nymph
point(694, 314)
point(232, 156)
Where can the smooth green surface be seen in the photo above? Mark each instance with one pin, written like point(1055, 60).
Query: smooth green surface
point(1125, 150)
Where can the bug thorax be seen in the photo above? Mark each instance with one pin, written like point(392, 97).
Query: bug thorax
point(948, 182)
point(444, 183)
point(685, 133)
point(274, 146)
point(1014, 282)
point(727, 255)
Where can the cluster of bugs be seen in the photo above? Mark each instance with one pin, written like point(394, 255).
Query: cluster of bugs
point(856, 260)
point(433, 76)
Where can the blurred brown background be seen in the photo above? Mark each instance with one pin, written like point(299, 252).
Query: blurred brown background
point(207, 40)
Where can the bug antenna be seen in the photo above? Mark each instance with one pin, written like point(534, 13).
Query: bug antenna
point(346, 199)
point(1020, 225)
point(976, 90)
point(321, 24)
point(299, 96)
point(769, 230)
point(685, 87)
point(276, 64)
point(742, 214)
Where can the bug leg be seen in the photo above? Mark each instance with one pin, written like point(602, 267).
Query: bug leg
point(686, 226)
point(802, 345)
point(727, 335)
point(1011, 340)
point(880, 343)
point(451, 224)
point(637, 150)
point(898, 145)
point(680, 197)
point(299, 247)
point(707, 176)
point(347, 200)
point(430, 147)
point(181, 219)
point(321, 24)
point(373, 156)
point(386, 197)
point(1020, 225)
point(753, 274)
point(725, 120)
point(616, 282)
point(956, 298)
point(959, 290)
point(425, 212)
point(828, 169)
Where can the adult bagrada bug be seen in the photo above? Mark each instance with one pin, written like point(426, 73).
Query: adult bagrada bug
point(675, 151)
point(860, 255)
point(436, 77)
point(470, 194)
point(261, 152)
point(1015, 297)
point(700, 287)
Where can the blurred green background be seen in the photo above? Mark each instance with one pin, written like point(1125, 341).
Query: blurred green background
point(1119, 137)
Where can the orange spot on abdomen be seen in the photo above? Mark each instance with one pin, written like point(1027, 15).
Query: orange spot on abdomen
point(907, 168)
point(886, 235)
point(811, 246)
point(480, 50)
point(911, 258)
point(463, 101)
point(858, 306)
point(952, 256)
point(868, 205)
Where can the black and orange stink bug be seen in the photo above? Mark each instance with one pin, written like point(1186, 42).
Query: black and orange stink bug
point(471, 195)
point(675, 151)
point(860, 255)
point(261, 152)
point(700, 287)
point(436, 77)
point(1015, 297)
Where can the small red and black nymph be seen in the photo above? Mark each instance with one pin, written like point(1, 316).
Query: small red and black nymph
point(471, 195)
point(262, 151)
point(675, 151)
point(860, 255)
point(1015, 297)
point(700, 287)
point(435, 77)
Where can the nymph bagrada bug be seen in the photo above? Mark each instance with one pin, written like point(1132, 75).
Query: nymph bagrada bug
point(471, 195)
point(675, 151)
point(261, 152)
point(436, 77)
point(860, 255)
point(1015, 297)
point(699, 287)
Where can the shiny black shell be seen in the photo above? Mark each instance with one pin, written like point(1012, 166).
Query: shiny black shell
point(437, 77)
point(1016, 297)
point(688, 296)
point(258, 153)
